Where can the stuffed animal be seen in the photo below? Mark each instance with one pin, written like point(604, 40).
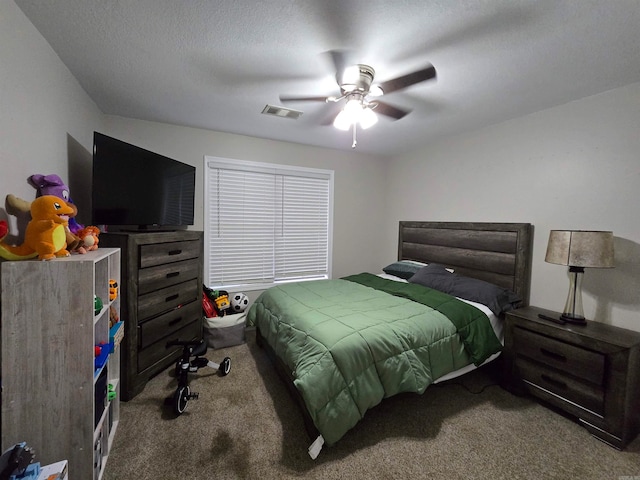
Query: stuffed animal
point(88, 239)
point(21, 209)
point(16, 206)
point(114, 317)
point(53, 185)
point(45, 236)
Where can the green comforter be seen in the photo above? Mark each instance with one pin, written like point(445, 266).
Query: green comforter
point(351, 342)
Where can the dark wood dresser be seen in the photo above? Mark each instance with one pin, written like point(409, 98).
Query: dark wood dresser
point(591, 372)
point(161, 299)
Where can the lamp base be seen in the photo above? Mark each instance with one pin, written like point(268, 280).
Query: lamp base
point(574, 319)
point(573, 311)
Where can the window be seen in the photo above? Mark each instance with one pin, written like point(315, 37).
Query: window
point(266, 223)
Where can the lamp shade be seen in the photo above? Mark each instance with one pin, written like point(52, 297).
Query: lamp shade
point(580, 248)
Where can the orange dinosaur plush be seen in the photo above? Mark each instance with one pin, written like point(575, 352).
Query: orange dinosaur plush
point(21, 209)
point(45, 236)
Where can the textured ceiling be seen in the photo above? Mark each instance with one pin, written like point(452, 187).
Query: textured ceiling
point(216, 64)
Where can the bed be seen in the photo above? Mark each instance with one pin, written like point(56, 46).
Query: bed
point(343, 345)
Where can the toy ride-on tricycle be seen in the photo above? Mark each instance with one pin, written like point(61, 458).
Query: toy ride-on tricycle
point(186, 365)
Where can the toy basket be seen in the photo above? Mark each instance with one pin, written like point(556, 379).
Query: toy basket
point(225, 331)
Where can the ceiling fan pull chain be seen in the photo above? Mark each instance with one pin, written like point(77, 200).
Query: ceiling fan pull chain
point(355, 141)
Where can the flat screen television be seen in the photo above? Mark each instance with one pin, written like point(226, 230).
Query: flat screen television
point(135, 189)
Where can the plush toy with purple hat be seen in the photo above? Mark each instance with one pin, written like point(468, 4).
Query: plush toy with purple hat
point(53, 185)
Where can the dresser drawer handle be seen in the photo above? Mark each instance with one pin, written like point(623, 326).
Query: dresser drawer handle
point(173, 322)
point(553, 381)
point(554, 355)
point(173, 274)
point(172, 297)
point(175, 252)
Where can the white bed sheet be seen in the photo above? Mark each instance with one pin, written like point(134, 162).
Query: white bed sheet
point(496, 324)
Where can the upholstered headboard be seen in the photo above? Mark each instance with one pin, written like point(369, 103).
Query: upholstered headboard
point(499, 253)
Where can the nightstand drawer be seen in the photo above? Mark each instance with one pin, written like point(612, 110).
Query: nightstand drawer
point(561, 385)
point(568, 358)
point(590, 372)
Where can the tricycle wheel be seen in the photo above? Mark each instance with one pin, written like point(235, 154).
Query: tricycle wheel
point(225, 366)
point(180, 399)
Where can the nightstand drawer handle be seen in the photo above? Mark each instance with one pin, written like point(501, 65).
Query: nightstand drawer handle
point(172, 297)
point(554, 355)
point(174, 252)
point(553, 381)
point(172, 274)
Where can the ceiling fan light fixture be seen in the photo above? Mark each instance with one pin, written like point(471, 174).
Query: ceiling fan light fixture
point(343, 121)
point(355, 111)
point(354, 107)
point(349, 115)
point(376, 91)
point(368, 118)
point(351, 75)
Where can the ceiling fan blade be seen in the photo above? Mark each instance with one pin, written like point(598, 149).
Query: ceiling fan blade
point(340, 62)
point(284, 98)
point(408, 80)
point(329, 114)
point(389, 110)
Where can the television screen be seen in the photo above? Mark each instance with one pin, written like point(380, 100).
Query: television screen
point(139, 189)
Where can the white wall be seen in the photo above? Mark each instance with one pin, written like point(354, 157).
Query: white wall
point(46, 118)
point(359, 179)
point(576, 166)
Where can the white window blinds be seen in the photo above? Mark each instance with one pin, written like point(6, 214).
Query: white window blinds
point(266, 223)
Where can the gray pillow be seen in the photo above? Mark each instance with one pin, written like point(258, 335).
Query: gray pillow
point(498, 299)
point(403, 268)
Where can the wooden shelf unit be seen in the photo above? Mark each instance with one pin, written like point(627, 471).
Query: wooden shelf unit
point(52, 392)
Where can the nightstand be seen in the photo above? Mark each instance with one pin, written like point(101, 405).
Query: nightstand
point(591, 372)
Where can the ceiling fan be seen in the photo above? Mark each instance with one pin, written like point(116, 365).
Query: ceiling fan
point(361, 94)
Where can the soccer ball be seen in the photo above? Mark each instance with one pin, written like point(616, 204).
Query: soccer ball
point(239, 302)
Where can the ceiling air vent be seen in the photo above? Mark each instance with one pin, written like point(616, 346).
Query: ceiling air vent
point(281, 112)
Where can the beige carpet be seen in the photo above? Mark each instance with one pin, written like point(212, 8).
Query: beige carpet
point(246, 426)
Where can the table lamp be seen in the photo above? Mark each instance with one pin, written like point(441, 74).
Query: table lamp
point(579, 249)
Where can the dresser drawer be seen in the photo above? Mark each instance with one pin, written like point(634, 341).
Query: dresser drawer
point(161, 276)
point(158, 352)
point(569, 388)
point(160, 253)
point(574, 360)
point(166, 324)
point(167, 299)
